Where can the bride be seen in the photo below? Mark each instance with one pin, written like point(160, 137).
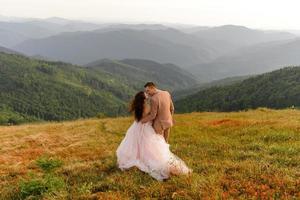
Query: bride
point(143, 148)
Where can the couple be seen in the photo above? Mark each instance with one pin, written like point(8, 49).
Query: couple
point(145, 144)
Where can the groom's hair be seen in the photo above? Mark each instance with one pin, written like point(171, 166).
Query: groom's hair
point(149, 84)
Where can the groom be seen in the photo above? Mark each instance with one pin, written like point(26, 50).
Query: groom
point(162, 109)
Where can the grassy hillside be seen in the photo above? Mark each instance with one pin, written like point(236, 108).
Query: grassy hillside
point(239, 155)
point(277, 89)
point(57, 91)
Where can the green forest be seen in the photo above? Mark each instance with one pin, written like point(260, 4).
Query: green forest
point(36, 90)
point(39, 90)
point(277, 89)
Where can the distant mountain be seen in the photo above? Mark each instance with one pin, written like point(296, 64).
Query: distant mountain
point(212, 48)
point(193, 29)
point(56, 20)
point(137, 72)
point(114, 27)
point(195, 46)
point(8, 51)
point(209, 53)
point(10, 38)
point(15, 32)
point(278, 89)
point(251, 60)
point(59, 25)
point(39, 90)
point(241, 36)
point(85, 47)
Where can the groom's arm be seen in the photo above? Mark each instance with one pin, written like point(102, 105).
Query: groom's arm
point(153, 112)
point(172, 108)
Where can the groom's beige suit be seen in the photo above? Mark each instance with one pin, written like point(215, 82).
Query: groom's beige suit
point(162, 109)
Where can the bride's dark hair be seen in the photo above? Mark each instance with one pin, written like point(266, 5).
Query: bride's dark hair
point(137, 105)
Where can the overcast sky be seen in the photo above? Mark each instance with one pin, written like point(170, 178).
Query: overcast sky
point(269, 14)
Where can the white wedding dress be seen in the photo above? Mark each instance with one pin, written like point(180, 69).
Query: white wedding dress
point(148, 151)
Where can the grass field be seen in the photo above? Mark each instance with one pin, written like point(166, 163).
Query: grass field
point(240, 155)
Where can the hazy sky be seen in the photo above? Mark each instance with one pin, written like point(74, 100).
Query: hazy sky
point(275, 14)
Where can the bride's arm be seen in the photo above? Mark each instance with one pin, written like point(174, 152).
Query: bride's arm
point(153, 111)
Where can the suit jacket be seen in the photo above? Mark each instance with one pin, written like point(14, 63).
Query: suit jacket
point(162, 109)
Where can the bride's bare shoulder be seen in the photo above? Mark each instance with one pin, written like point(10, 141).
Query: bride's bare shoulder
point(147, 106)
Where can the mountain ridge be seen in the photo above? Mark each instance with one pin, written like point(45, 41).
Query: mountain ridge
point(276, 89)
point(139, 71)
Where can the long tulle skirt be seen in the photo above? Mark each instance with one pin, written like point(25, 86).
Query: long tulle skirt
point(148, 151)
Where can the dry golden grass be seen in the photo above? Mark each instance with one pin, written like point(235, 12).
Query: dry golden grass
point(239, 155)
